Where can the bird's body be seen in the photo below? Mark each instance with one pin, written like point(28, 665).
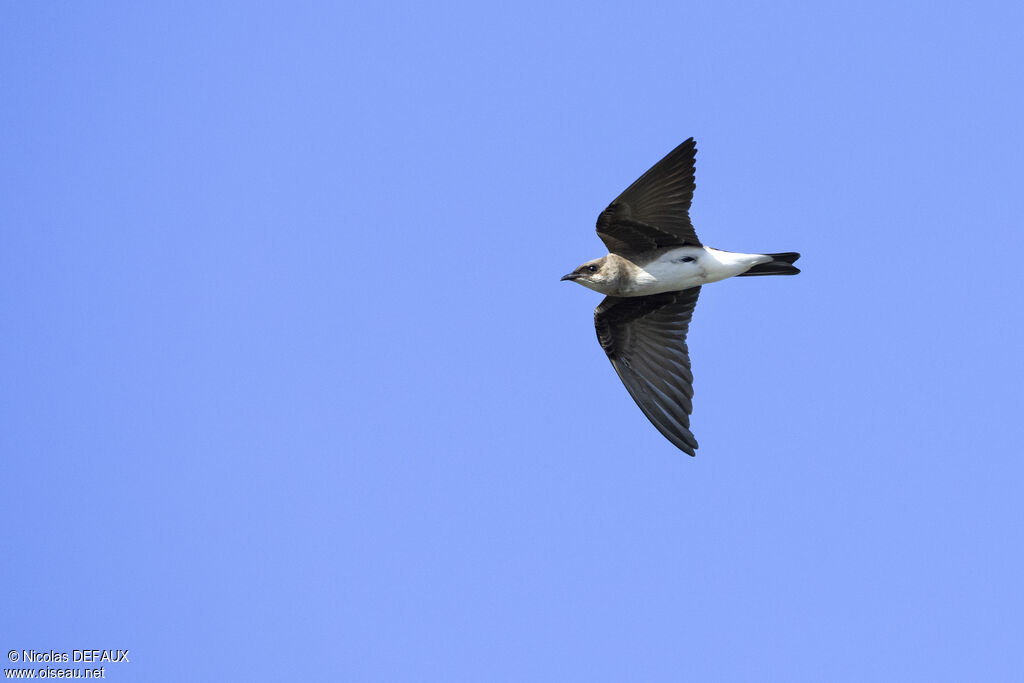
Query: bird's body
point(671, 269)
point(652, 277)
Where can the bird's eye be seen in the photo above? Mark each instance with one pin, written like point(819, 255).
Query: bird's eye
point(592, 269)
point(688, 259)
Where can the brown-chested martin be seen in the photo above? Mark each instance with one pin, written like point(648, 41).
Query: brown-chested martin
point(651, 277)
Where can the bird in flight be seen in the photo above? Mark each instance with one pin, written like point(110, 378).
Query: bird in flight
point(651, 277)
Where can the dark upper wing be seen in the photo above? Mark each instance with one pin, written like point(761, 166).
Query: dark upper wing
point(645, 339)
point(655, 210)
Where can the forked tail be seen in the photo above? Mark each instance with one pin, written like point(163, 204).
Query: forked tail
point(781, 264)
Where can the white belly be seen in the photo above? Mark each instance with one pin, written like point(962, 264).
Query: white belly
point(671, 273)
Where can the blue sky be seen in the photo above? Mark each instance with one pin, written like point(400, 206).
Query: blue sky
point(291, 390)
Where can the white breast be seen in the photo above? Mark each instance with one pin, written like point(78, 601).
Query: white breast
point(671, 272)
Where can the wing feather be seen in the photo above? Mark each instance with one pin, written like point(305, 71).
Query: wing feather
point(654, 211)
point(645, 339)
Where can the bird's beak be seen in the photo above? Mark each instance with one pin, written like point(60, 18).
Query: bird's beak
point(570, 276)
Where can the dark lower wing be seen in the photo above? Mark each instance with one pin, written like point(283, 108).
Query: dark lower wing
point(645, 339)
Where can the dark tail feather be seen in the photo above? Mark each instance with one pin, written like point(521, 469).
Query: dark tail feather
point(782, 264)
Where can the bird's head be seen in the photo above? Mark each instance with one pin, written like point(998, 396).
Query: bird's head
point(596, 275)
